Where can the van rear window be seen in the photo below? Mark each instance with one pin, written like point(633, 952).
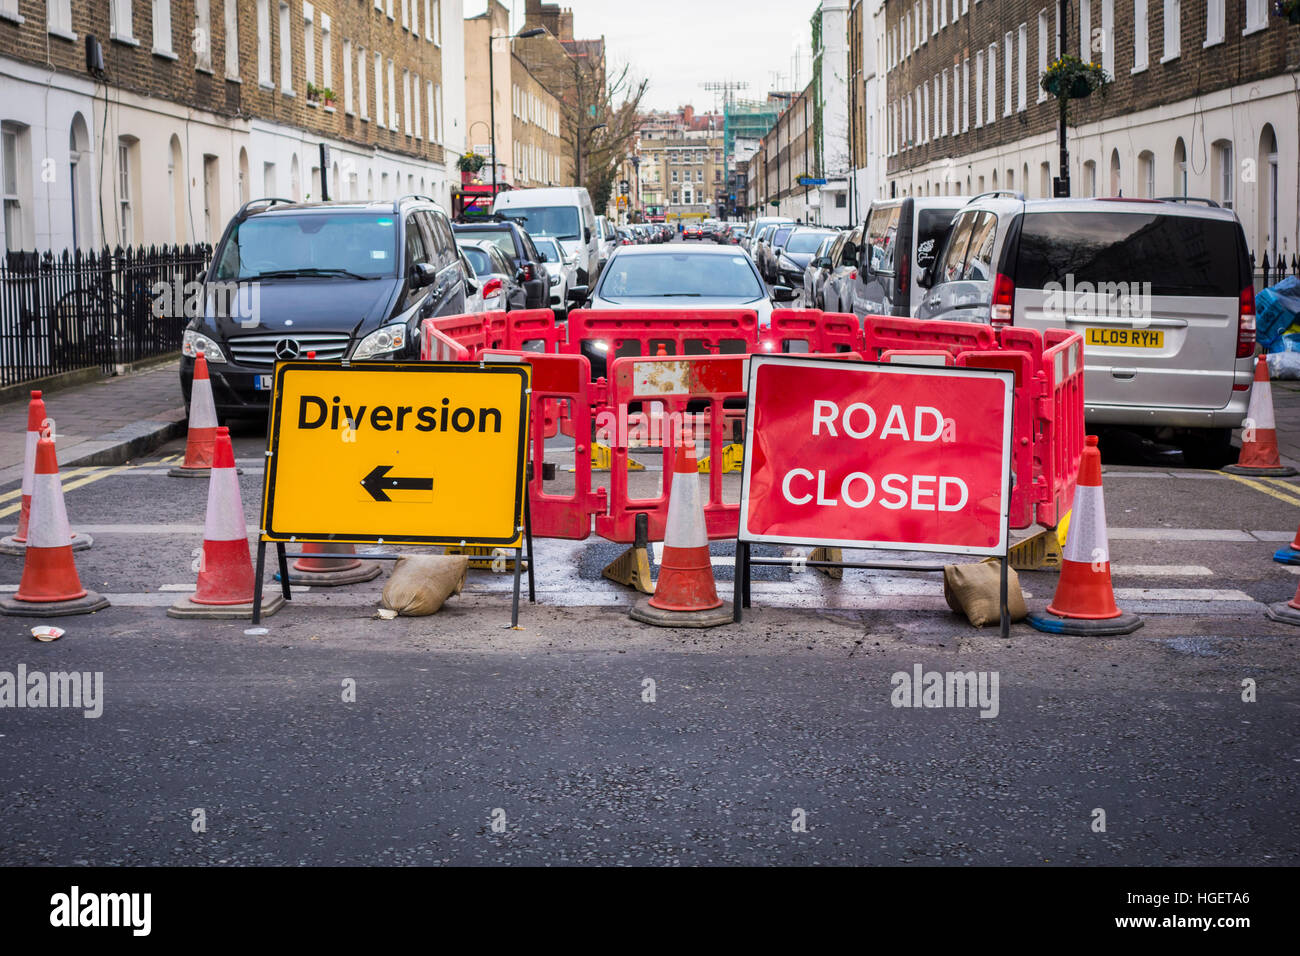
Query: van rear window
point(1178, 255)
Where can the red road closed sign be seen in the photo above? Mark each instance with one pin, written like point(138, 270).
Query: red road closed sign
point(864, 455)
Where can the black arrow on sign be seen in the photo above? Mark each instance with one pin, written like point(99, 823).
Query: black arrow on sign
point(377, 483)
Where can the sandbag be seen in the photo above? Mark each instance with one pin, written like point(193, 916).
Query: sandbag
point(973, 589)
point(421, 583)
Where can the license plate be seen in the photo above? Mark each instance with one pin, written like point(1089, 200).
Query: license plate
point(262, 383)
point(1126, 338)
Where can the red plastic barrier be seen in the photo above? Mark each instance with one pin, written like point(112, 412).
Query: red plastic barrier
point(817, 331)
point(1024, 425)
point(436, 346)
point(558, 378)
point(882, 332)
point(680, 331)
point(673, 382)
point(1062, 430)
point(534, 330)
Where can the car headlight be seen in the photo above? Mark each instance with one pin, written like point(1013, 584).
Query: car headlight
point(192, 343)
point(391, 338)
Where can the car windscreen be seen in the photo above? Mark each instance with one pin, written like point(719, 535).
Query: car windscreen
point(549, 249)
point(360, 244)
point(558, 221)
point(680, 274)
point(779, 235)
point(501, 238)
point(805, 242)
point(479, 259)
point(1178, 255)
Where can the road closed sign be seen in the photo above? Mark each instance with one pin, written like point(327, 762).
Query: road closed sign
point(863, 455)
point(427, 453)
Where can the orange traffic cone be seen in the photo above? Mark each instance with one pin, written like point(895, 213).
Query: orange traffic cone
point(225, 583)
point(16, 543)
point(1259, 455)
point(201, 438)
point(50, 586)
point(1084, 601)
point(685, 595)
point(328, 572)
point(1288, 612)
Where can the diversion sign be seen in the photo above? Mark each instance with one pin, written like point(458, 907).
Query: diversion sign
point(865, 455)
point(427, 453)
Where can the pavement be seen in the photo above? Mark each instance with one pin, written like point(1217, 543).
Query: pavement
point(106, 422)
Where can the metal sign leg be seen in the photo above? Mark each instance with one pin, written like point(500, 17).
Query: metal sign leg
point(514, 606)
point(257, 580)
point(1002, 599)
point(284, 569)
point(528, 538)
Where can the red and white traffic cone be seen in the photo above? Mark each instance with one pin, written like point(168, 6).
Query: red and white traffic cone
point(50, 586)
point(1259, 454)
point(685, 594)
point(226, 584)
point(328, 571)
point(200, 441)
point(1287, 612)
point(1084, 601)
point(16, 543)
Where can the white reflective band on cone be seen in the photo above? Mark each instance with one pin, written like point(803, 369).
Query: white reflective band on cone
point(1261, 406)
point(225, 517)
point(1086, 540)
point(48, 525)
point(29, 462)
point(203, 410)
point(685, 527)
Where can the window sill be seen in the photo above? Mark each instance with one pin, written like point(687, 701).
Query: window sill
point(1168, 59)
point(165, 55)
point(1209, 43)
point(1255, 29)
point(1138, 69)
point(233, 79)
point(204, 69)
point(124, 40)
point(365, 119)
point(289, 92)
point(12, 17)
point(263, 85)
point(330, 109)
point(63, 34)
point(312, 103)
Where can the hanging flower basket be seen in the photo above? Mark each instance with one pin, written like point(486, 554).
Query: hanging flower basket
point(471, 162)
point(1288, 9)
point(1069, 78)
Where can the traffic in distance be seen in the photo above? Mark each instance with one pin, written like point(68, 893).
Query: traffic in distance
point(1160, 289)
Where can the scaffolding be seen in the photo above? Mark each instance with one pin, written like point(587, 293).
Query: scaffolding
point(747, 119)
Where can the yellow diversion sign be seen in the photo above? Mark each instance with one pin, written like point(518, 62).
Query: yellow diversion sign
point(421, 453)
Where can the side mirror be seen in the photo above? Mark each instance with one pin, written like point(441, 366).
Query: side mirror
point(783, 293)
point(578, 293)
point(520, 275)
point(865, 258)
point(926, 279)
point(423, 274)
point(471, 287)
point(586, 234)
point(849, 257)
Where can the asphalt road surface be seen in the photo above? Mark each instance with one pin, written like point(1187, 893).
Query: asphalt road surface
point(547, 732)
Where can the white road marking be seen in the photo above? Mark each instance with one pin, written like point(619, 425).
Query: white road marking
point(1161, 570)
point(1180, 534)
point(1181, 594)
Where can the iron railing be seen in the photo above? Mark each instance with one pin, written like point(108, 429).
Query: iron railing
point(1269, 270)
point(102, 308)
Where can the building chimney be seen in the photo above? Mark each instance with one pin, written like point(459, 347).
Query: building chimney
point(566, 26)
point(688, 116)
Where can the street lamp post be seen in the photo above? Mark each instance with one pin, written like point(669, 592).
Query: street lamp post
point(492, 91)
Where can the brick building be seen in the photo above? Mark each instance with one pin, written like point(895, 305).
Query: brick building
point(204, 104)
point(683, 170)
point(786, 153)
point(529, 145)
point(1204, 103)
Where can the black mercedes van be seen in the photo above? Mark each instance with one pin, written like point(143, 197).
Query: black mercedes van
point(329, 281)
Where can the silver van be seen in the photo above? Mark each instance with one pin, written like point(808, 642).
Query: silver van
point(1160, 290)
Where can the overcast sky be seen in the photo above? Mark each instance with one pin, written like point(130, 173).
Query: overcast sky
point(679, 44)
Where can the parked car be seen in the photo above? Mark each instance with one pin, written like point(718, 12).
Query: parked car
point(564, 213)
point(625, 236)
point(837, 288)
point(691, 277)
point(561, 271)
point(815, 273)
point(731, 235)
point(902, 237)
point(692, 231)
point(513, 240)
point(474, 301)
point(608, 239)
point(760, 243)
point(756, 227)
point(793, 257)
point(334, 280)
point(1161, 291)
point(500, 287)
point(771, 249)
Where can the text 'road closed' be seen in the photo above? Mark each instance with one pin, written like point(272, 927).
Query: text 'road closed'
point(867, 455)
